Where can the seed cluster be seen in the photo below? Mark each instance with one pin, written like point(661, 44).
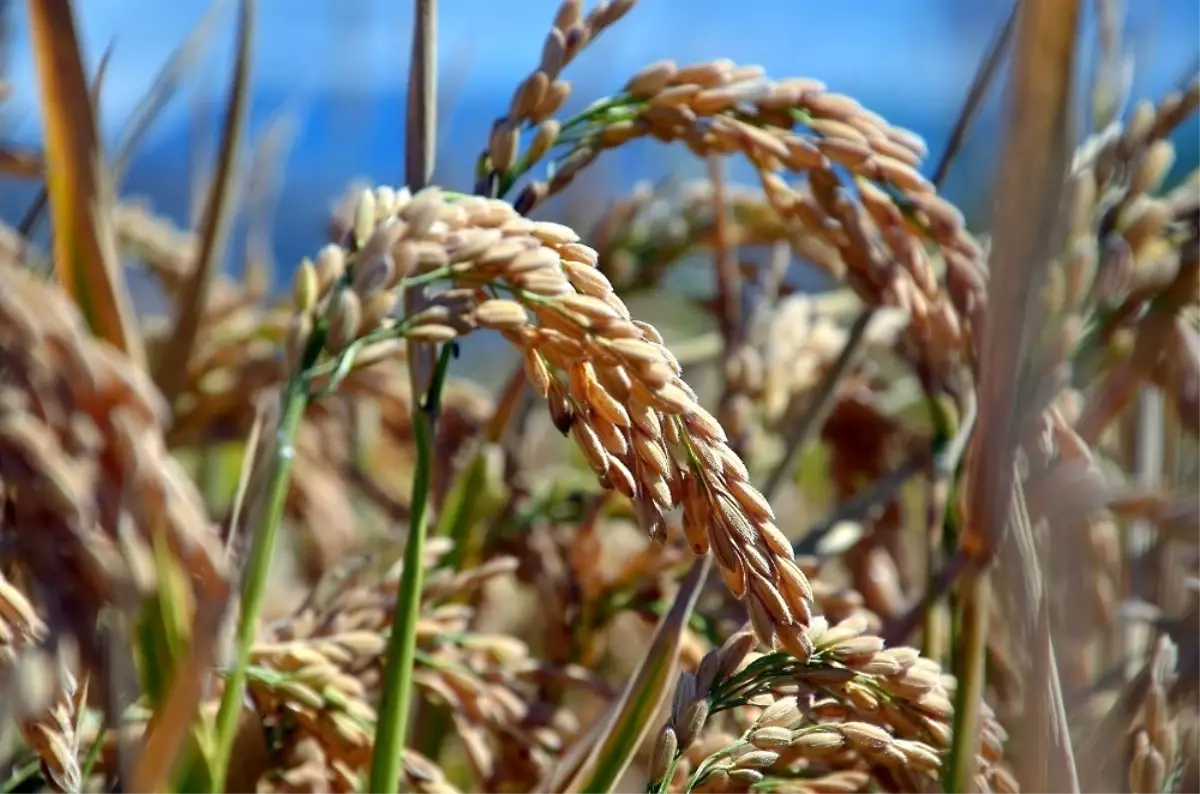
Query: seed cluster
point(53, 734)
point(542, 94)
point(878, 221)
point(610, 382)
point(1156, 742)
point(321, 668)
point(853, 702)
point(46, 697)
point(85, 462)
point(1127, 250)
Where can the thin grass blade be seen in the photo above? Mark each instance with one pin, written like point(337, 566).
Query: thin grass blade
point(33, 214)
point(181, 649)
point(420, 141)
point(647, 689)
point(81, 198)
point(1029, 186)
point(165, 84)
point(263, 184)
point(171, 371)
point(469, 494)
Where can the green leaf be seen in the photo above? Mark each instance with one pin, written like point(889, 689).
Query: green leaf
point(176, 640)
point(632, 715)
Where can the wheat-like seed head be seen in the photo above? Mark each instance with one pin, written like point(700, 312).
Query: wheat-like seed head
point(45, 698)
point(236, 368)
point(610, 382)
point(20, 625)
point(83, 460)
point(853, 703)
point(1159, 747)
point(53, 736)
point(544, 91)
point(323, 667)
point(1129, 249)
point(878, 222)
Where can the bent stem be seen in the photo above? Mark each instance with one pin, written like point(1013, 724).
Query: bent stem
point(387, 757)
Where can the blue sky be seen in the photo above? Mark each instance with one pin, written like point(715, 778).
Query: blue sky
point(925, 48)
point(337, 68)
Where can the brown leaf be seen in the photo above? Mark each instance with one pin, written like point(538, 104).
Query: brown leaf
point(81, 200)
point(171, 371)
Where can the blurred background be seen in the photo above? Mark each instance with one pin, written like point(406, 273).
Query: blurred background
point(329, 76)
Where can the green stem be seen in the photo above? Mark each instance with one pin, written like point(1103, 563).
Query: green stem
point(460, 514)
point(588, 114)
point(21, 775)
point(89, 763)
point(662, 786)
point(254, 583)
point(387, 757)
point(969, 669)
